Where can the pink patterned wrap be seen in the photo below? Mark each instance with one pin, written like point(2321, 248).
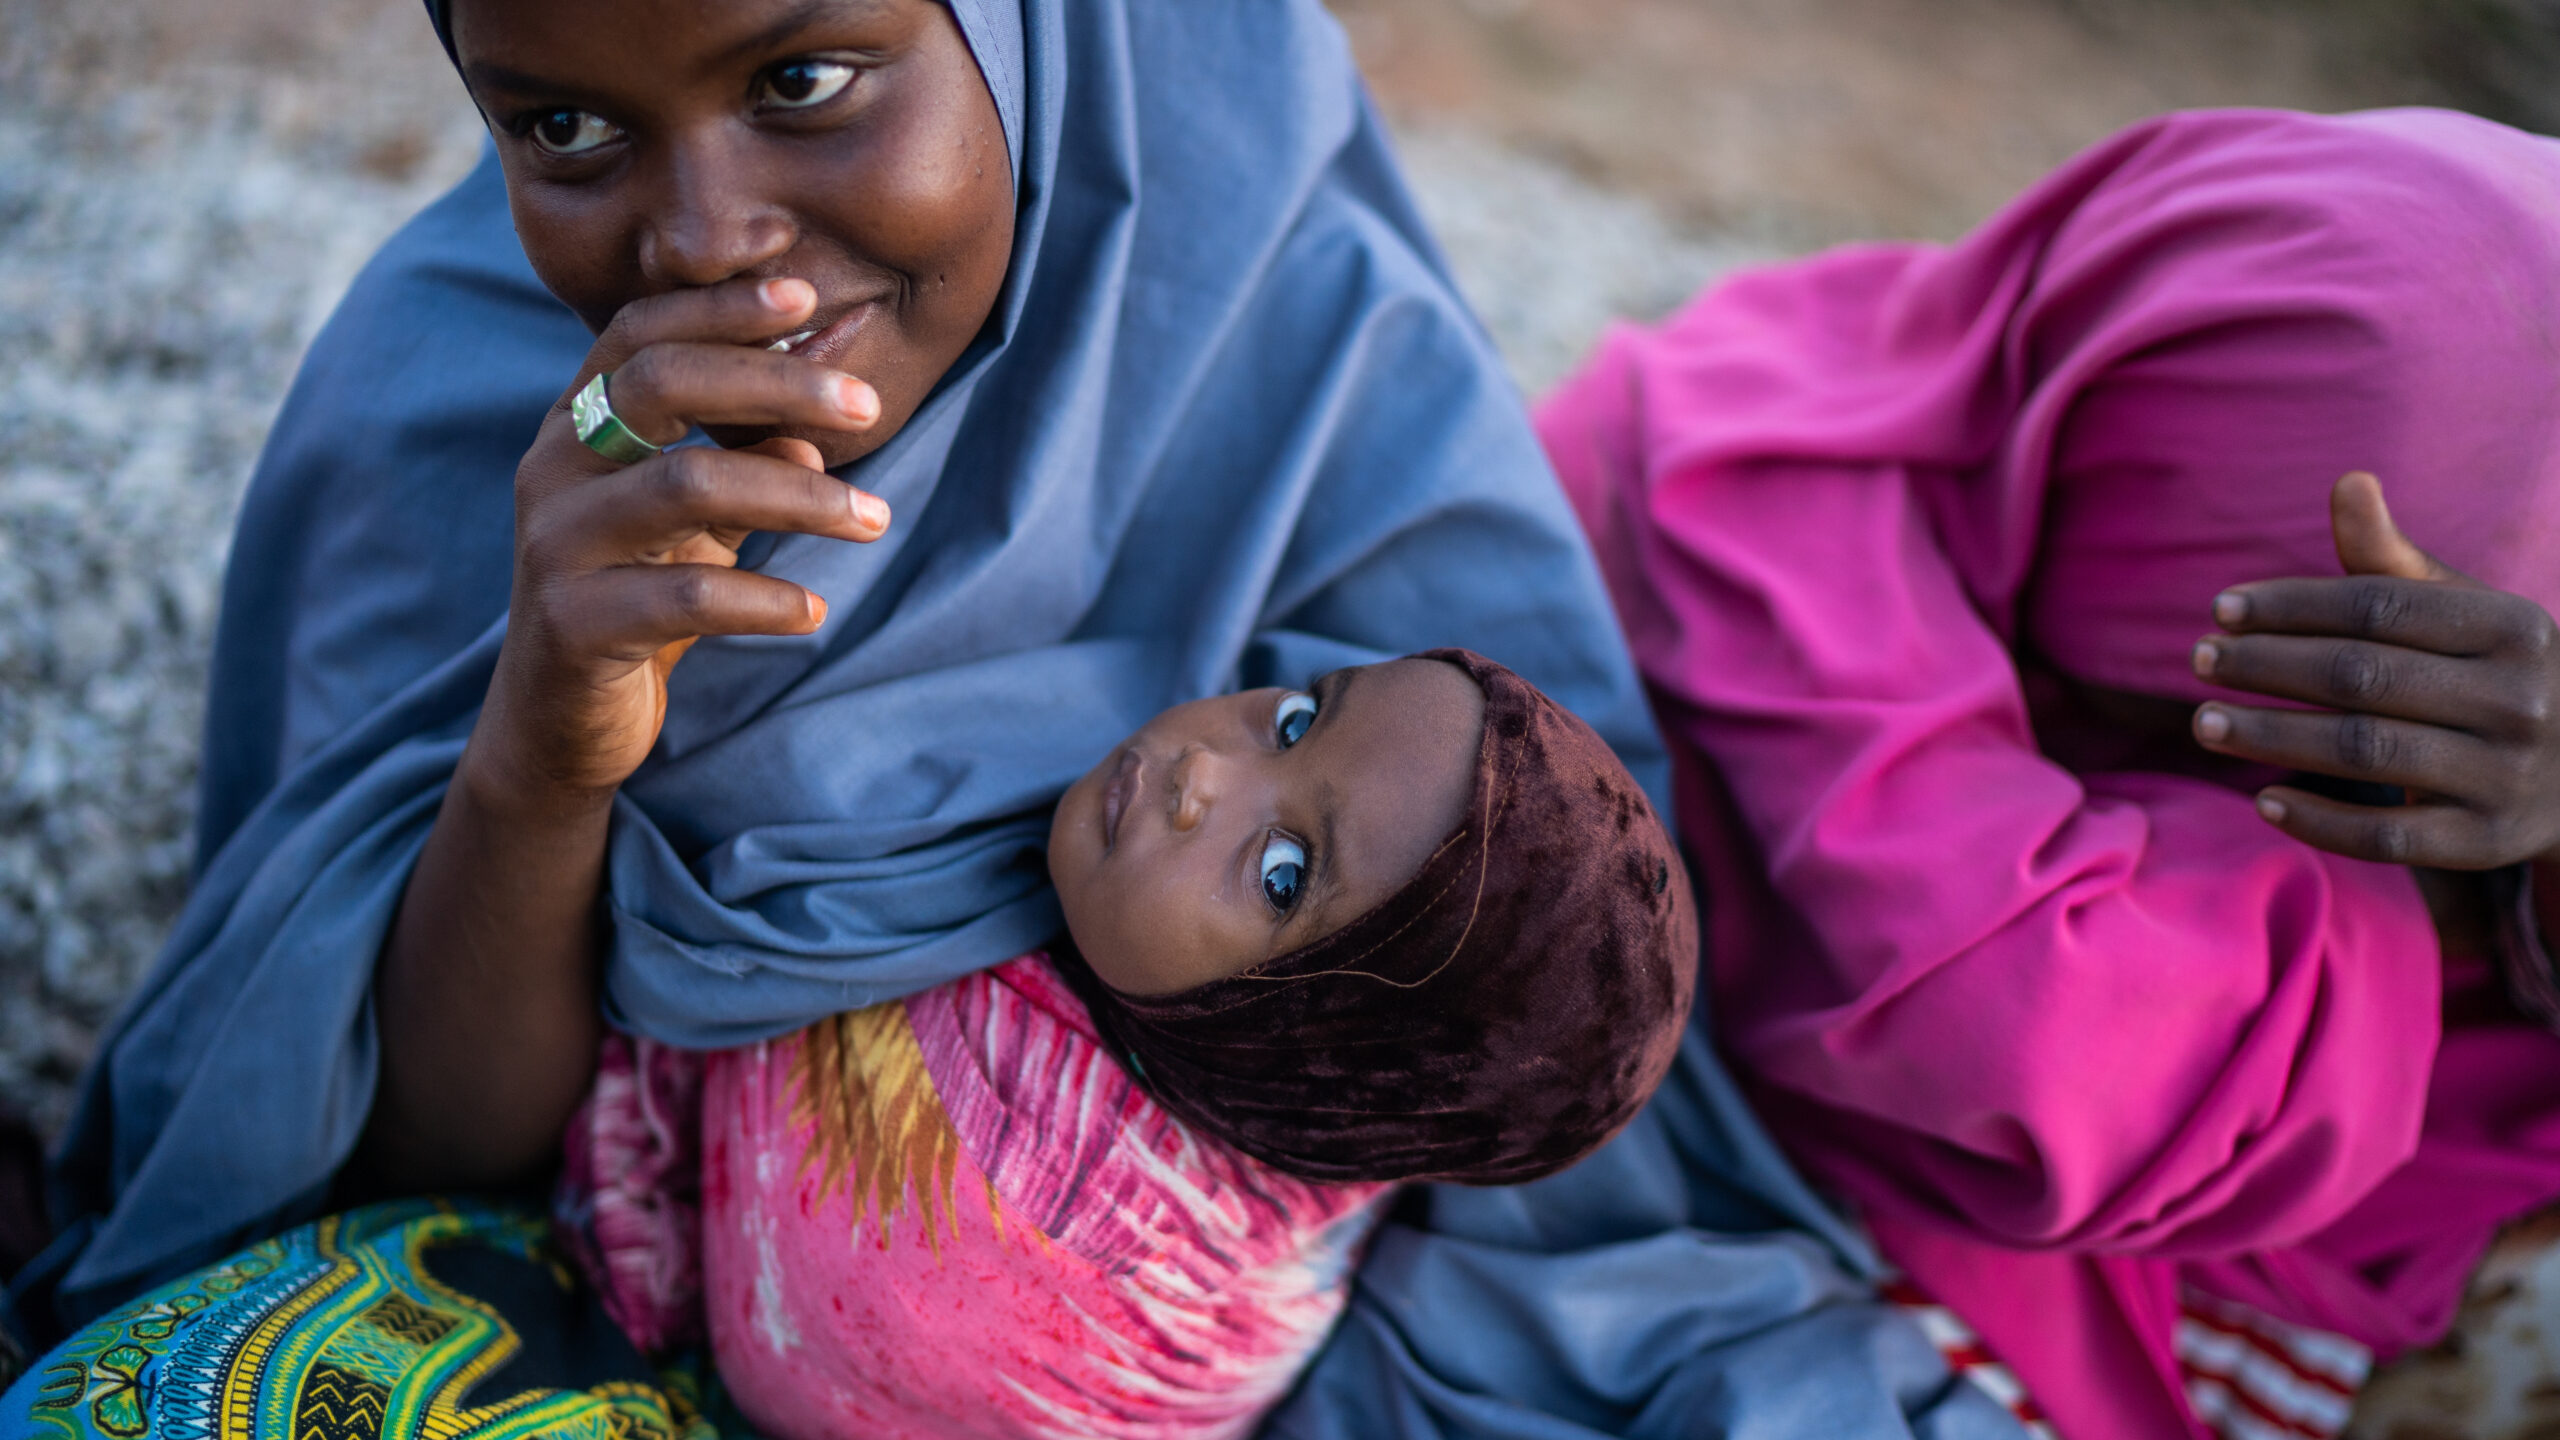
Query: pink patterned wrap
point(956, 1216)
point(628, 1206)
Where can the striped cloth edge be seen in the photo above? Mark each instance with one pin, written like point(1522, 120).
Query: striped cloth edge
point(1966, 1355)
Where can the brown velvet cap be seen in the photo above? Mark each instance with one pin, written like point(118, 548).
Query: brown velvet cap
point(1495, 1020)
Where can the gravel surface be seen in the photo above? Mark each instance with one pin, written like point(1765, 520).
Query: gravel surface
point(161, 271)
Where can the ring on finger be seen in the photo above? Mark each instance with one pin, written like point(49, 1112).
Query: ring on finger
point(602, 431)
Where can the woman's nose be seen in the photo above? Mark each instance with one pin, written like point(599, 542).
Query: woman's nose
point(711, 223)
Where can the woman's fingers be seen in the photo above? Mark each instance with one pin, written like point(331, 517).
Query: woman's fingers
point(2415, 614)
point(643, 511)
point(631, 612)
point(665, 390)
point(2352, 747)
point(2358, 675)
point(791, 449)
point(735, 312)
point(2437, 836)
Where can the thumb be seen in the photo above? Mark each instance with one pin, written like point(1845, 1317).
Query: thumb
point(2369, 541)
point(786, 447)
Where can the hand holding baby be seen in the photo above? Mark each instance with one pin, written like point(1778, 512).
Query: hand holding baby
point(2434, 683)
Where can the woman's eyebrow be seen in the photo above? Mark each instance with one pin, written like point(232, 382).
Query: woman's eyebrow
point(479, 75)
point(790, 23)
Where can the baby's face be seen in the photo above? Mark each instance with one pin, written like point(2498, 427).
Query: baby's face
point(652, 145)
point(1233, 830)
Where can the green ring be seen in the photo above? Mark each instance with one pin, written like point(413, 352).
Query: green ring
point(602, 431)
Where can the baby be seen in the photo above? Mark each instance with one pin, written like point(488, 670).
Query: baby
point(1416, 923)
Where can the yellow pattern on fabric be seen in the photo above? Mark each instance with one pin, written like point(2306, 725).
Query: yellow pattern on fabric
point(878, 1129)
point(337, 1332)
point(261, 1352)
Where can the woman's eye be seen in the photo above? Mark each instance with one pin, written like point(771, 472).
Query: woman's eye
point(570, 132)
point(1297, 711)
point(1284, 869)
point(804, 83)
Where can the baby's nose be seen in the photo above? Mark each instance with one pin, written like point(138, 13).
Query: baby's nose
point(1195, 786)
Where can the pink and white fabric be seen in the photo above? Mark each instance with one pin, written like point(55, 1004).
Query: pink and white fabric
point(628, 1205)
point(2082, 1038)
point(2251, 1376)
point(956, 1216)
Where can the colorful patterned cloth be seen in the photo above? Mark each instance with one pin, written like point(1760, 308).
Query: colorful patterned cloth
point(418, 1318)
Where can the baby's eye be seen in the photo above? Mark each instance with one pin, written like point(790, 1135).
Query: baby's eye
point(799, 84)
point(570, 132)
point(1296, 712)
point(1284, 867)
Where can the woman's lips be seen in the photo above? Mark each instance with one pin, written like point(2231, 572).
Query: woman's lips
point(1117, 792)
point(827, 343)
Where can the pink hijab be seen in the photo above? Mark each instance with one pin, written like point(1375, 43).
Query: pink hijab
point(2078, 1041)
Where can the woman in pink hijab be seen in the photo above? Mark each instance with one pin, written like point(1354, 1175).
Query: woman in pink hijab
point(2011, 756)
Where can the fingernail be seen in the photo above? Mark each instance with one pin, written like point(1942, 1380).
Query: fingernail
point(817, 609)
point(2206, 656)
point(856, 400)
point(870, 509)
point(2212, 723)
point(2270, 808)
point(2230, 608)
point(781, 296)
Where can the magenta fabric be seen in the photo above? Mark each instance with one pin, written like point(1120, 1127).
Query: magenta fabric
point(2075, 1038)
point(951, 1216)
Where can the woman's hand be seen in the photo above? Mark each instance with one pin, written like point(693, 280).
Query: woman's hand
point(619, 570)
point(2438, 684)
point(486, 990)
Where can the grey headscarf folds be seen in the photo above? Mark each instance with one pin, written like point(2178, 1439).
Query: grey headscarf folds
point(1229, 425)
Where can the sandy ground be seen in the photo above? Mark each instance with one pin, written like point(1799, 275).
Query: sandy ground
point(187, 185)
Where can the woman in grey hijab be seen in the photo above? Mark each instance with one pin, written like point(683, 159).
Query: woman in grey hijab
point(1226, 423)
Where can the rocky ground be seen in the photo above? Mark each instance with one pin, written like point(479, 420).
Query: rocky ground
point(187, 185)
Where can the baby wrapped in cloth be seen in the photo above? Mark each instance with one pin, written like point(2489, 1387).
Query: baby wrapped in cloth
point(1032, 1203)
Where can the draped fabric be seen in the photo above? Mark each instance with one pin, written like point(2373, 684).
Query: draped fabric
point(1229, 426)
point(2078, 1034)
point(990, 1230)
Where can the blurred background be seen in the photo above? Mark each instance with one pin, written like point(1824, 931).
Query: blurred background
point(187, 185)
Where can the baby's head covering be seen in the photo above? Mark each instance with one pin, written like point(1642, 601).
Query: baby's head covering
point(1494, 1020)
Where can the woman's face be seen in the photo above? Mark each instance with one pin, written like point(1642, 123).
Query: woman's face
point(1232, 830)
point(651, 145)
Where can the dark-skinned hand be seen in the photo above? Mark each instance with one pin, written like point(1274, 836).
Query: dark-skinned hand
point(619, 569)
point(2428, 680)
point(487, 986)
